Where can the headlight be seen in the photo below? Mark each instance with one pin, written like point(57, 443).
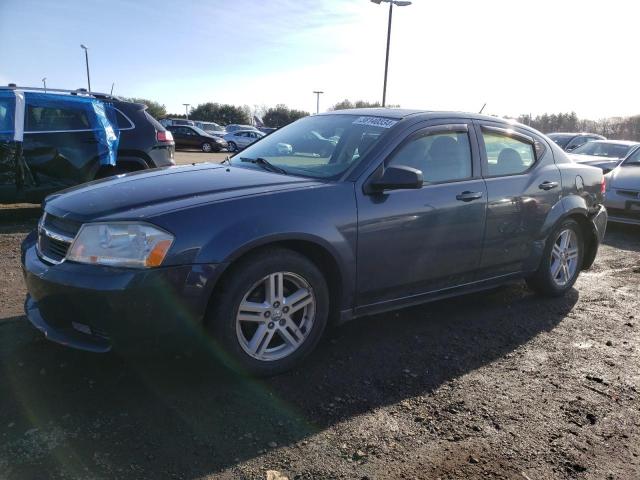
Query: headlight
point(136, 245)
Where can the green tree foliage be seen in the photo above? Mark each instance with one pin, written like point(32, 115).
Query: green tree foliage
point(155, 109)
point(221, 113)
point(346, 104)
point(281, 115)
point(619, 128)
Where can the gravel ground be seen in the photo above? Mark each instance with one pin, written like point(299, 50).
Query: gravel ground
point(493, 385)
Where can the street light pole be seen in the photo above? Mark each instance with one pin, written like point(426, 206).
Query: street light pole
point(44, 82)
point(391, 3)
point(186, 109)
point(318, 93)
point(86, 59)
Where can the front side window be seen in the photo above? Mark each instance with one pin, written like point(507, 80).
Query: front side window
point(441, 157)
point(507, 155)
point(7, 107)
point(322, 146)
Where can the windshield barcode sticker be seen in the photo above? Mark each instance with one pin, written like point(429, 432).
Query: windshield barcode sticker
point(375, 122)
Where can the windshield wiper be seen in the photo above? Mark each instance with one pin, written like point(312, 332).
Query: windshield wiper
point(264, 163)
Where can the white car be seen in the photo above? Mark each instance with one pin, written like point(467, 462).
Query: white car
point(623, 191)
point(242, 138)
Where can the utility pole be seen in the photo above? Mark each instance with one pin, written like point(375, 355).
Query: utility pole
point(318, 93)
point(86, 59)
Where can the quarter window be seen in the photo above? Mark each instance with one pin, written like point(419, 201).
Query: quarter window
point(507, 155)
point(442, 157)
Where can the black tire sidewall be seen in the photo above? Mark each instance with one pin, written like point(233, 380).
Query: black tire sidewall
point(221, 322)
point(210, 147)
point(233, 147)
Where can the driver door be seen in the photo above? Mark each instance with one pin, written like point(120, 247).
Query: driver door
point(413, 242)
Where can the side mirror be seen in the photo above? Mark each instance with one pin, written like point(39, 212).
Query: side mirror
point(396, 177)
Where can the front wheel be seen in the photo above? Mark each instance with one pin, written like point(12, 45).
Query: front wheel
point(270, 313)
point(232, 147)
point(561, 262)
point(207, 147)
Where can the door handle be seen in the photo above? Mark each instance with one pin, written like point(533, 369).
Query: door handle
point(547, 185)
point(468, 196)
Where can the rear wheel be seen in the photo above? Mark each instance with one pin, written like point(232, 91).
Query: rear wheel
point(561, 262)
point(270, 313)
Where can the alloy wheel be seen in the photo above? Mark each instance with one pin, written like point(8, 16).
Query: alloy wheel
point(564, 257)
point(206, 147)
point(275, 316)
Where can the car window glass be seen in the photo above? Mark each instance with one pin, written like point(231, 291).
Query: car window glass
point(603, 149)
point(123, 122)
point(40, 119)
point(576, 142)
point(6, 115)
point(507, 155)
point(441, 157)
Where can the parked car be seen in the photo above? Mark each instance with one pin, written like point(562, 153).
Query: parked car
point(234, 127)
point(604, 154)
point(61, 141)
point(263, 252)
point(623, 191)
point(193, 137)
point(211, 128)
point(570, 141)
point(170, 122)
point(242, 138)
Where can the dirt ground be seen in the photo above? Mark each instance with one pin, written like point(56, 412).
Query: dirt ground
point(494, 385)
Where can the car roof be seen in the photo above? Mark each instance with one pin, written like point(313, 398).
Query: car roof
point(401, 113)
point(576, 134)
point(628, 143)
point(245, 130)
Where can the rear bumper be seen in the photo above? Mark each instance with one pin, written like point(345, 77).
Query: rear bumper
point(96, 308)
point(598, 228)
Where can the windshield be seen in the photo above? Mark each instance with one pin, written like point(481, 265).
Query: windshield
point(634, 158)
point(323, 146)
point(602, 149)
point(199, 131)
point(561, 140)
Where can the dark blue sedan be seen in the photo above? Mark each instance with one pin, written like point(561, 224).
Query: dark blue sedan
point(393, 208)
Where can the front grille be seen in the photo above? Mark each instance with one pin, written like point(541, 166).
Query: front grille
point(630, 214)
point(55, 235)
point(629, 193)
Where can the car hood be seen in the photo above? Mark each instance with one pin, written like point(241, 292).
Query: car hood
point(625, 177)
point(149, 193)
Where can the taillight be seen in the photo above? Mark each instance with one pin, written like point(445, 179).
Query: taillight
point(165, 136)
point(603, 186)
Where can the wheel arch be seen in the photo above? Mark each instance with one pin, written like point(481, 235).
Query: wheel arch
point(320, 254)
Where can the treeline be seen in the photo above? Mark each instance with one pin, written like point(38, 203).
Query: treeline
point(225, 114)
point(617, 128)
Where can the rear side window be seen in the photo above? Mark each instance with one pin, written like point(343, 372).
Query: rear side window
point(442, 157)
point(507, 155)
point(123, 122)
point(43, 119)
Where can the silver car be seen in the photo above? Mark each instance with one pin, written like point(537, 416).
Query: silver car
point(242, 138)
point(604, 154)
point(623, 191)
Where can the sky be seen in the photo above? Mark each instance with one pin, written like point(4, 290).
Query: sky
point(517, 56)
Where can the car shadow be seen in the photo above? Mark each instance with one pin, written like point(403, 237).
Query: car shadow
point(622, 236)
point(180, 412)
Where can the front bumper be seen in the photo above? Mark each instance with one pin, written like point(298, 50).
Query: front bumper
point(96, 308)
point(622, 208)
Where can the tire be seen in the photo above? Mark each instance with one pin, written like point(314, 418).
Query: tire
point(560, 267)
point(206, 147)
point(232, 147)
point(261, 337)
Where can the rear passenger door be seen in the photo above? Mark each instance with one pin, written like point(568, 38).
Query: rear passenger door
point(412, 242)
point(523, 186)
point(60, 146)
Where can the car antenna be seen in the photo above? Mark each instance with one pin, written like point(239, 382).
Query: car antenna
point(485, 104)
